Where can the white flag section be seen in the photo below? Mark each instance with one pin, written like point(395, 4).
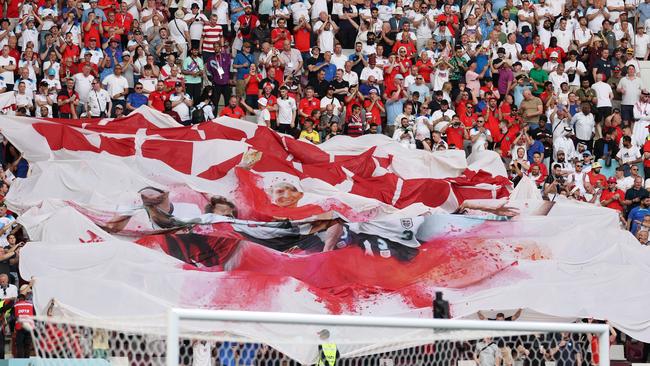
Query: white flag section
point(130, 217)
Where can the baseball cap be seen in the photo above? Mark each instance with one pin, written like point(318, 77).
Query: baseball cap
point(51, 72)
point(611, 180)
point(596, 165)
point(178, 83)
point(554, 54)
point(126, 53)
point(119, 106)
point(262, 102)
point(399, 76)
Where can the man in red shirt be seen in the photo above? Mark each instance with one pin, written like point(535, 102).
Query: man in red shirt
point(233, 109)
point(112, 23)
point(596, 179)
point(646, 157)
point(158, 97)
point(308, 104)
point(68, 100)
point(450, 18)
point(123, 17)
point(23, 312)
point(612, 197)
point(456, 133)
point(280, 34)
point(87, 61)
point(69, 49)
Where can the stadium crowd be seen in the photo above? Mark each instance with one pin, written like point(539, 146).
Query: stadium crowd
point(552, 86)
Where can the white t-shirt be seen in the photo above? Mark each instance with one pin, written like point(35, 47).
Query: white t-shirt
point(285, 110)
point(641, 45)
point(222, 12)
point(631, 90)
point(557, 80)
point(263, 117)
point(479, 144)
point(177, 29)
point(512, 51)
point(196, 29)
point(376, 72)
point(182, 109)
point(325, 101)
point(603, 91)
point(583, 125)
point(438, 114)
point(115, 85)
point(564, 38)
point(98, 102)
point(12, 292)
point(596, 24)
point(8, 76)
point(628, 154)
point(83, 85)
point(578, 66)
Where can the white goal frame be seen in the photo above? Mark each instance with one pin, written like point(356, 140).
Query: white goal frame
point(176, 315)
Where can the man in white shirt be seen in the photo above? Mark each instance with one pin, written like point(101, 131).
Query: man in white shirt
point(584, 125)
point(630, 87)
point(117, 86)
point(98, 101)
point(181, 103)
point(82, 86)
point(442, 117)
point(563, 35)
point(8, 291)
point(574, 69)
point(641, 42)
point(286, 111)
point(642, 119)
point(328, 99)
point(7, 67)
point(372, 70)
point(604, 96)
point(628, 154)
point(338, 58)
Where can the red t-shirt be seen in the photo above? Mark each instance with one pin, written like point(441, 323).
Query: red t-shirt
point(92, 33)
point(302, 39)
point(277, 32)
point(455, 136)
point(253, 85)
point(450, 20)
point(307, 106)
point(425, 70)
point(272, 102)
point(158, 99)
point(124, 20)
point(376, 112)
point(595, 178)
point(507, 140)
point(236, 112)
point(607, 194)
point(106, 25)
point(410, 49)
point(646, 148)
point(65, 108)
point(70, 51)
point(468, 121)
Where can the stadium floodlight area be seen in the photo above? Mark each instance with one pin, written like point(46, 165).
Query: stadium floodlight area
point(220, 337)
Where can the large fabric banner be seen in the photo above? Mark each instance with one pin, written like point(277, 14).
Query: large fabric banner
point(133, 216)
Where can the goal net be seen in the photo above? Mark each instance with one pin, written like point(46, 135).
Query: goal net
point(200, 337)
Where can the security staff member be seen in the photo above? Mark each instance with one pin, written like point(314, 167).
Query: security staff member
point(327, 352)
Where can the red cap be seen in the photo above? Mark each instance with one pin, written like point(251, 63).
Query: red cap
point(611, 180)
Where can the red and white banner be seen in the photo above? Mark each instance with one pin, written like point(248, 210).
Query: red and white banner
point(136, 215)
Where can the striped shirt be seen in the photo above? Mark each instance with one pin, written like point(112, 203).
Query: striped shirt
point(211, 34)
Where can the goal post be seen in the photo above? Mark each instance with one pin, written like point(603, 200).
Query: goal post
point(441, 327)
